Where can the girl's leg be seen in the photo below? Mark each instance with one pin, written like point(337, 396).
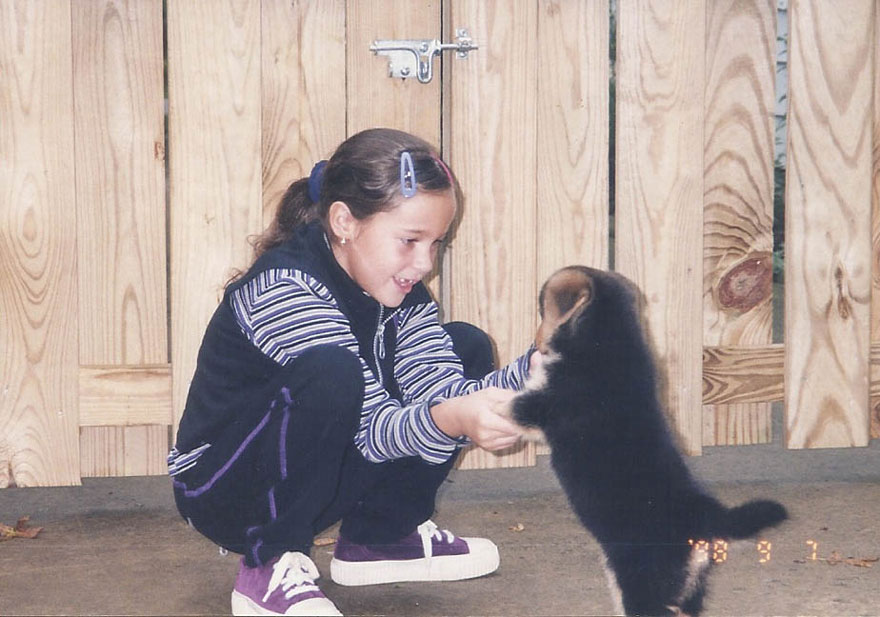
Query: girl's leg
point(261, 486)
point(399, 495)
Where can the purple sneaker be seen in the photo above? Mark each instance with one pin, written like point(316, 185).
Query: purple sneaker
point(427, 554)
point(284, 586)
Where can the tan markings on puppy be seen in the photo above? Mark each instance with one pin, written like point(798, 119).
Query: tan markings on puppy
point(563, 296)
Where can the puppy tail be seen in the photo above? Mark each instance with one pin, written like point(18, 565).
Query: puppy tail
point(748, 519)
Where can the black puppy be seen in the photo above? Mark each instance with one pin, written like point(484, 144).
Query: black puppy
point(595, 400)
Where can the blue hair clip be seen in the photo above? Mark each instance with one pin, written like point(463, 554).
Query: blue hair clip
point(407, 175)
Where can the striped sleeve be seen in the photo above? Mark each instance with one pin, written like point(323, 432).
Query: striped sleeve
point(284, 312)
point(427, 368)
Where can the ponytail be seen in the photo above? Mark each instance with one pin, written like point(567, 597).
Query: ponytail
point(294, 209)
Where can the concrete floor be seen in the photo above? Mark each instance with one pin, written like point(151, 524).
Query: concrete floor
point(117, 546)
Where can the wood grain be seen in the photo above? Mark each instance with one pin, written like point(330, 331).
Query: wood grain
point(572, 135)
point(875, 222)
point(493, 149)
point(303, 72)
point(738, 196)
point(123, 451)
point(743, 375)
point(659, 187)
point(374, 99)
point(215, 170)
point(828, 226)
point(125, 396)
point(38, 328)
point(120, 189)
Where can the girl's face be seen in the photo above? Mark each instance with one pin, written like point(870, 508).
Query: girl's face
point(389, 252)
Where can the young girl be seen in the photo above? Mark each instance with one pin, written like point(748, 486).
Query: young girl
point(326, 389)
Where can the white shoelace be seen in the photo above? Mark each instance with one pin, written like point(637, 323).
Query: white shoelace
point(295, 574)
point(428, 531)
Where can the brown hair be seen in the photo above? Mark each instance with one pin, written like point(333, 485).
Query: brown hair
point(364, 173)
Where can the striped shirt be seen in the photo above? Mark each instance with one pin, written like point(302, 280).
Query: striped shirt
point(284, 312)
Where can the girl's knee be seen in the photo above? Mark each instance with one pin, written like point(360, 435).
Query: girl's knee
point(326, 376)
point(473, 347)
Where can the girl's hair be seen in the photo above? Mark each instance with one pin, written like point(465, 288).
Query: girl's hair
point(365, 174)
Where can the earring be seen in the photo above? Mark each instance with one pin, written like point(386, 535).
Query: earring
point(342, 241)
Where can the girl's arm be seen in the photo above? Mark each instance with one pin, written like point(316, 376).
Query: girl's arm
point(426, 366)
point(428, 369)
point(284, 312)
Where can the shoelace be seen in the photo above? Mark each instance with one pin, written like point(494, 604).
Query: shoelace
point(428, 531)
point(294, 573)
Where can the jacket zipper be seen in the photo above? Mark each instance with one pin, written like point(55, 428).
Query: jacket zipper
point(379, 341)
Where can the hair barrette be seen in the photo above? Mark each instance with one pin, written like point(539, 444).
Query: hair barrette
point(407, 175)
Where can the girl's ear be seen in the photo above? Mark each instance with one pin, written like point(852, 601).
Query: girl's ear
point(343, 224)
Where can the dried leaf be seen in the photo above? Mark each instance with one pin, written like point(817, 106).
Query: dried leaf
point(21, 530)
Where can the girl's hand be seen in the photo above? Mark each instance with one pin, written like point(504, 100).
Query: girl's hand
point(482, 416)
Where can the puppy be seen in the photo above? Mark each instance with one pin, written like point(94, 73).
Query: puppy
point(595, 400)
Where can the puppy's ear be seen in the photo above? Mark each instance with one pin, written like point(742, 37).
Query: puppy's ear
point(581, 302)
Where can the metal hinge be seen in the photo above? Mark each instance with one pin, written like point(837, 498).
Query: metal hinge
point(415, 57)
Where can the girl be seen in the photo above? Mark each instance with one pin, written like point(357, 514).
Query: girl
point(326, 388)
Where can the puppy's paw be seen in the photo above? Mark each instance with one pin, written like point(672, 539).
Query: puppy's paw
point(529, 433)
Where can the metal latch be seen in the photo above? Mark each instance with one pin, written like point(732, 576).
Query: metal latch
point(416, 56)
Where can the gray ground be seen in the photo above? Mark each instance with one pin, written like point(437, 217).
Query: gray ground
point(117, 546)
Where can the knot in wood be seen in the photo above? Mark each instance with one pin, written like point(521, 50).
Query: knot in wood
point(747, 284)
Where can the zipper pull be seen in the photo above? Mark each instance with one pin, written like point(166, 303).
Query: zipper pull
point(380, 333)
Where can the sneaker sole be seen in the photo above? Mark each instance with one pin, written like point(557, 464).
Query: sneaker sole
point(482, 560)
point(242, 605)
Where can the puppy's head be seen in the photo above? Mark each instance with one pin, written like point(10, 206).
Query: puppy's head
point(563, 297)
point(584, 308)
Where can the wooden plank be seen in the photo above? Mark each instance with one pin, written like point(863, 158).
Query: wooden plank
point(374, 99)
point(493, 150)
point(756, 374)
point(875, 225)
point(573, 134)
point(740, 423)
point(215, 172)
point(303, 116)
point(103, 452)
point(828, 226)
point(38, 330)
point(743, 375)
point(108, 451)
point(125, 396)
point(120, 189)
point(120, 162)
point(738, 196)
point(659, 187)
